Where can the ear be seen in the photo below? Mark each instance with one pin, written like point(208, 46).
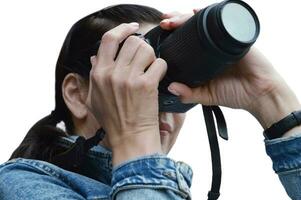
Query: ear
point(75, 93)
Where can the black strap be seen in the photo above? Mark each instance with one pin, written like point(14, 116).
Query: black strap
point(279, 128)
point(208, 111)
point(221, 122)
point(73, 158)
point(93, 141)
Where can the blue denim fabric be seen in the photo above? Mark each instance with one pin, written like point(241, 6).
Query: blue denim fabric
point(286, 156)
point(151, 177)
point(157, 173)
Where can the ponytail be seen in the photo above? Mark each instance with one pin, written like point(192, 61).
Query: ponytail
point(39, 142)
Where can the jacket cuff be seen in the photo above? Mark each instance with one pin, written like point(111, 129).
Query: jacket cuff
point(285, 153)
point(154, 171)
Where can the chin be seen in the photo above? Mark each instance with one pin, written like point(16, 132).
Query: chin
point(165, 150)
point(165, 144)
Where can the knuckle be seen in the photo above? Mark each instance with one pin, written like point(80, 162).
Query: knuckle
point(120, 82)
point(95, 77)
point(161, 65)
point(109, 37)
point(133, 39)
point(130, 84)
point(147, 84)
point(148, 49)
point(162, 62)
point(114, 79)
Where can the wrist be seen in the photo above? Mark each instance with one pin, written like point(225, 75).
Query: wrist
point(274, 106)
point(136, 145)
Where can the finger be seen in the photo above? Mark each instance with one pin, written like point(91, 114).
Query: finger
point(171, 14)
point(191, 95)
point(110, 41)
point(196, 10)
point(157, 70)
point(93, 60)
point(175, 22)
point(128, 50)
point(144, 56)
point(165, 24)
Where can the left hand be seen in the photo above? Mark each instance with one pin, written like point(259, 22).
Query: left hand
point(251, 84)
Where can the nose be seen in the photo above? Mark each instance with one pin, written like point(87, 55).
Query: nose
point(165, 117)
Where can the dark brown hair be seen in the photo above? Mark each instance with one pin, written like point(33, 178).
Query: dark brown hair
point(81, 43)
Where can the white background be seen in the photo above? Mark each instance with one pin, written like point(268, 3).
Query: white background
point(31, 36)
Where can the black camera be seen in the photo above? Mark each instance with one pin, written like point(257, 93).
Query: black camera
point(206, 45)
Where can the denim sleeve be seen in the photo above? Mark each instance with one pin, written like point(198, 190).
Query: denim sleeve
point(153, 177)
point(286, 156)
point(22, 182)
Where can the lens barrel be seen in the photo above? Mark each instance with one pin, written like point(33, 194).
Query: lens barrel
point(203, 47)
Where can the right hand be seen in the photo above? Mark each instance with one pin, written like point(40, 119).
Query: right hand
point(238, 87)
point(252, 84)
point(123, 96)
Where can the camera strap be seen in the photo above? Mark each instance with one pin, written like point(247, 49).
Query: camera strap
point(73, 158)
point(208, 112)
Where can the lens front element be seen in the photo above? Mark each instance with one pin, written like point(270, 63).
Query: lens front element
point(238, 22)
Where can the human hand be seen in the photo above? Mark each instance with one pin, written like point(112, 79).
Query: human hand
point(124, 98)
point(251, 84)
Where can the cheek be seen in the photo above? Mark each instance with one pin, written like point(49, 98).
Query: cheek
point(178, 120)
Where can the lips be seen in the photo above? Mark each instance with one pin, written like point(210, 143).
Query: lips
point(164, 128)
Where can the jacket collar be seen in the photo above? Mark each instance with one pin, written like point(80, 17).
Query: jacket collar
point(98, 163)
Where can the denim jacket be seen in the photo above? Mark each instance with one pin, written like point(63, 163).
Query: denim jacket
point(286, 156)
point(151, 177)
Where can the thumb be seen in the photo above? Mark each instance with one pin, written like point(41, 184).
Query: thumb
point(190, 95)
point(181, 90)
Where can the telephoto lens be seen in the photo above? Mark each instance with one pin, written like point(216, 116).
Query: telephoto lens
point(206, 45)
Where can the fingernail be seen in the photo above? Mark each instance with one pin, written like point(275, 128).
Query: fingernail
point(134, 24)
point(174, 19)
point(171, 90)
point(195, 10)
point(165, 21)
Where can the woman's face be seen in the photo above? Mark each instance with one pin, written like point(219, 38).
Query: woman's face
point(169, 123)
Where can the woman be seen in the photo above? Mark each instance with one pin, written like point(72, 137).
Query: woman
point(100, 88)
